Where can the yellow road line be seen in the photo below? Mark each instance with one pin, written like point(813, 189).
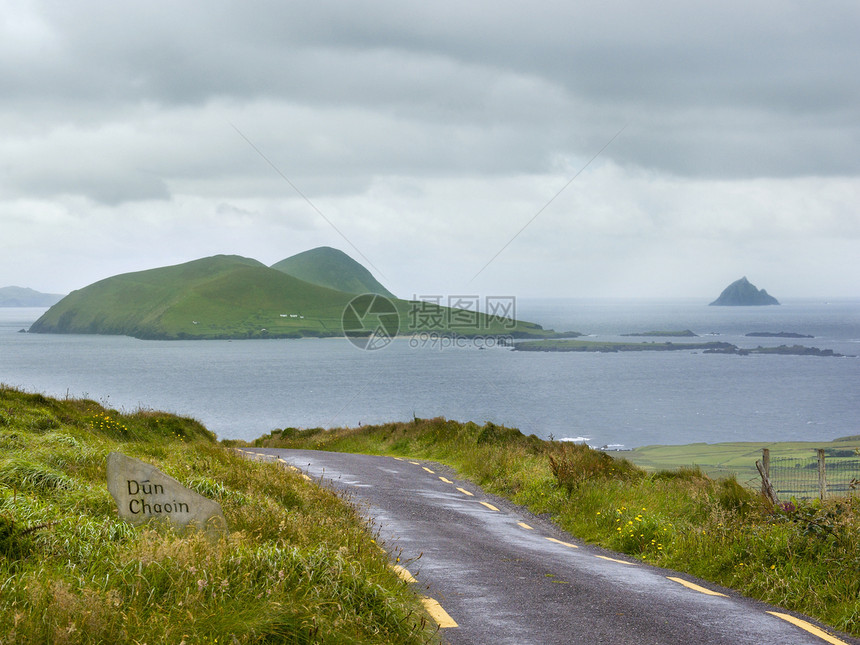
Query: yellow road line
point(568, 544)
point(812, 629)
point(696, 587)
point(525, 526)
point(603, 557)
point(447, 481)
point(437, 613)
point(428, 470)
point(490, 506)
point(465, 492)
point(403, 573)
point(414, 463)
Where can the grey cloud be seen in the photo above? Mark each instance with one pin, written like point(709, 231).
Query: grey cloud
point(354, 91)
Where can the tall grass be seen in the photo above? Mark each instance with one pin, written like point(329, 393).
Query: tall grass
point(299, 566)
point(802, 556)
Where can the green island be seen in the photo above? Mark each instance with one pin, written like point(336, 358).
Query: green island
point(711, 347)
point(232, 297)
point(803, 556)
point(298, 566)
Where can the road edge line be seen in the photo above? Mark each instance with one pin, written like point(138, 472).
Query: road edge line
point(439, 615)
point(809, 627)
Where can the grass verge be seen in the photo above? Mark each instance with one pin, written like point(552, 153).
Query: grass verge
point(801, 556)
point(299, 565)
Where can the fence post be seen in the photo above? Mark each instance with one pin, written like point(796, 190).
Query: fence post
point(822, 475)
point(764, 470)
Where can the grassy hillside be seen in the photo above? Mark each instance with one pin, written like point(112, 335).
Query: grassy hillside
point(299, 565)
point(328, 267)
point(232, 297)
point(802, 556)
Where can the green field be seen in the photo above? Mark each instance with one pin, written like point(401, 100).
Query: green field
point(738, 459)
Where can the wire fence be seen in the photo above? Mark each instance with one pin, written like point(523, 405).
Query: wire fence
point(821, 476)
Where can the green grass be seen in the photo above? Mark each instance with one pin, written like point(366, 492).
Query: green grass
point(299, 565)
point(801, 556)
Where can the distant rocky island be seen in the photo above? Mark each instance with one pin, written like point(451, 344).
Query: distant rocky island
point(684, 333)
point(742, 293)
point(563, 345)
point(25, 297)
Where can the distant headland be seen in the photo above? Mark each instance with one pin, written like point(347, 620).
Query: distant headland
point(24, 297)
point(742, 293)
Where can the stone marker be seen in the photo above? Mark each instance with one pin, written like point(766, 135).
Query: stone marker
point(143, 494)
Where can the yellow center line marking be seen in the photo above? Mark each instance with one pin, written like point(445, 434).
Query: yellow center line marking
point(414, 463)
point(567, 544)
point(525, 526)
point(398, 458)
point(428, 470)
point(403, 573)
point(603, 557)
point(437, 613)
point(696, 587)
point(812, 629)
point(465, 492)
point(490, 506)
point(447, 481)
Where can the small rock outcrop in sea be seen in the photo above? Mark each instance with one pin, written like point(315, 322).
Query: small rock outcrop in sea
point(742, 293)
point(777, 334)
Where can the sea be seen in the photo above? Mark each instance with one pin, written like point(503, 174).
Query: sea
point(243, 389)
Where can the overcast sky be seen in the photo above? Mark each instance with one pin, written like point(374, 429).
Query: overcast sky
point(426, 136)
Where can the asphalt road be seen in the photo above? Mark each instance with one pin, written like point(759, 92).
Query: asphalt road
point(502, 575)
